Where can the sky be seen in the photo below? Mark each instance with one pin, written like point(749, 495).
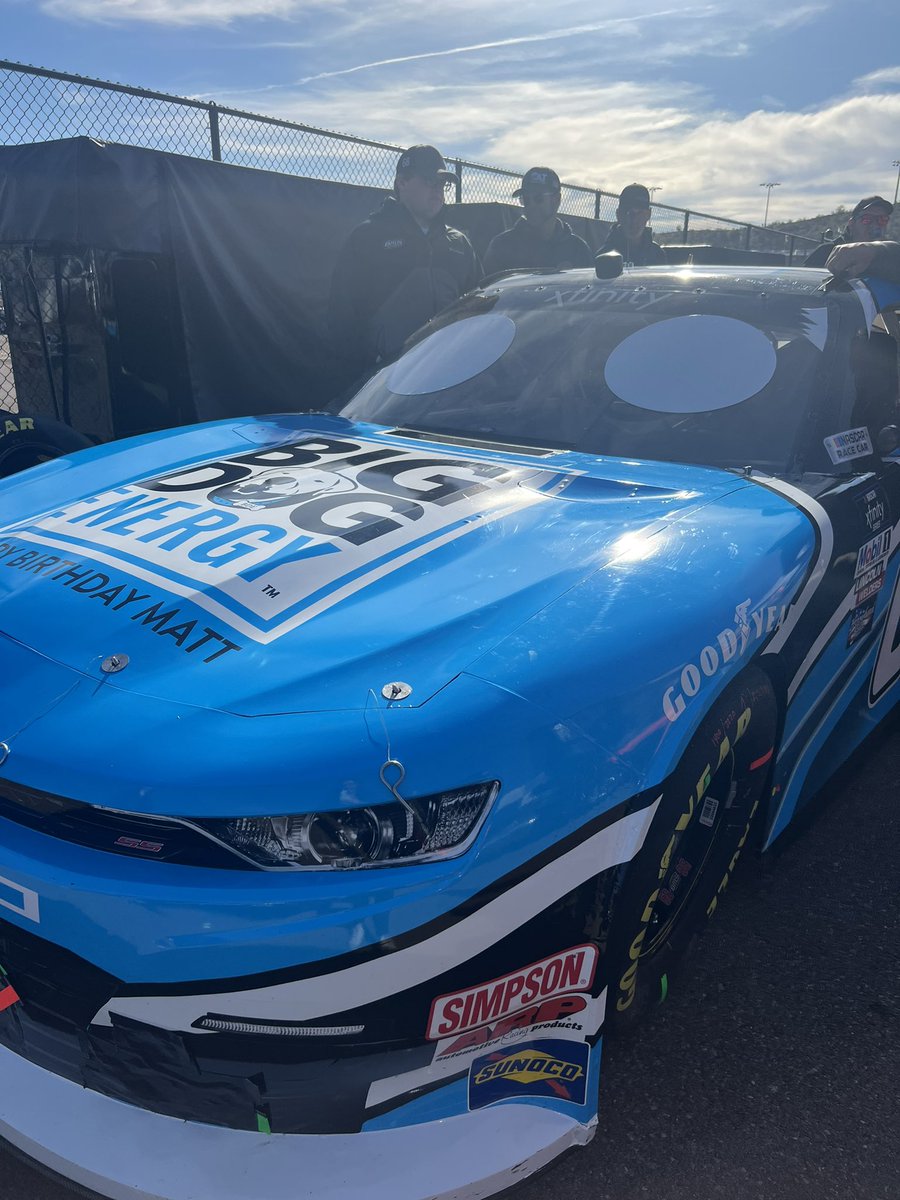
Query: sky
point(704, 101)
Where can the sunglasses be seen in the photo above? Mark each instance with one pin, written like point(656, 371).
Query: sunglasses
point(537, 197)
point(873, 219)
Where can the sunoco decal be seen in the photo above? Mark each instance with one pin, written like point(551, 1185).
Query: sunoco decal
point(547, 1068)
point(489, 1003)
point(266, 540)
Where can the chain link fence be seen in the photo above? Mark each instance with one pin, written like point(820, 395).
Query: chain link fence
point(38, 105)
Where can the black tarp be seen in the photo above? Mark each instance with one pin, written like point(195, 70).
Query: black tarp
point(241, 261)
point(252, 253)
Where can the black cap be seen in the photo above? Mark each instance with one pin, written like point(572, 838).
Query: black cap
point(634, 196)
point(538, 179)
point(872, 202)
point(425, 161)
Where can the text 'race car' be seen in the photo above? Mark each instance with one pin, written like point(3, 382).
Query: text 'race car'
point(359, 772)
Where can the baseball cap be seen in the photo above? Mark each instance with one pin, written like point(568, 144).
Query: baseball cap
point(425, 161)
point(635, 195)
point(538, 179)
point(872, 202)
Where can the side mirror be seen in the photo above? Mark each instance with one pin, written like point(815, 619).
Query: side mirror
point(609, 265)
point(887, 441)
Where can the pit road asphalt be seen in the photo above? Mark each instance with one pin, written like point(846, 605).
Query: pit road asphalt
point(772, 1070)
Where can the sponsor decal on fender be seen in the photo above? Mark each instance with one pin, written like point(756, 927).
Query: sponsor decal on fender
point(873, 551)
point(575, 1015)
point(869, 583)
point(488, 1003)
point(860, 622)
point(547, 1068)
point(266, 540)
point(750, 626)
point(874, 509)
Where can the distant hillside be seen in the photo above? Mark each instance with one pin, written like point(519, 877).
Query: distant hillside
point(816, 227)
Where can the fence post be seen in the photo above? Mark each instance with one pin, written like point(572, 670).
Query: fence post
point(598, 195)
point(747, 236)
point(686, 226)
point(458, 184)
point(791, 250)
point(214, 133)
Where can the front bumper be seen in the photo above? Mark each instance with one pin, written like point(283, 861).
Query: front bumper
point(128, 1153)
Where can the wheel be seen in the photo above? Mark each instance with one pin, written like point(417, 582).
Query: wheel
point(27, 441)
point(669, 890)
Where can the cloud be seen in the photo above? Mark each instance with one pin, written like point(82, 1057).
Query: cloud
point(170, 12)
point(877, 81)
point(704, 158)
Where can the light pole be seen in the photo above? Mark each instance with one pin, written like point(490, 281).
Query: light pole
point(897, 186)
point(768, 187)
point(658, 188)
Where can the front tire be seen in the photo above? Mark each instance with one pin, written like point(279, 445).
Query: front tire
point(672, 887)
point(28, 441)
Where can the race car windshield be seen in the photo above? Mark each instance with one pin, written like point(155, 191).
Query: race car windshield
point(716, 384)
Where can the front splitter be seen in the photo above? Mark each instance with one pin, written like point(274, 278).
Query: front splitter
point(128, 1153)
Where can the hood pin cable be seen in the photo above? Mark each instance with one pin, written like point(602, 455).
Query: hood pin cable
point(395, 764)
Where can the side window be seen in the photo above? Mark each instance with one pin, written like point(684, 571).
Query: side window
point(875, 378)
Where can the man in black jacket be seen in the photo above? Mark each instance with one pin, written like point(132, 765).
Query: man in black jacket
point(867, 223)
point(630, 235)
point(539, 239)
point(401, 266)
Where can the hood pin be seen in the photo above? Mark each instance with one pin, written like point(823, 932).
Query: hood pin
point(115, 662)
point(396, 691)
point(4, 753)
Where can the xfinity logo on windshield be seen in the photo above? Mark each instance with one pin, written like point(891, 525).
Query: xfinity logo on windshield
point(268, 539)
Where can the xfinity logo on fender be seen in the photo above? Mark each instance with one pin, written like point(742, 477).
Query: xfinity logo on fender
point(457, 1012)
point(265, 540)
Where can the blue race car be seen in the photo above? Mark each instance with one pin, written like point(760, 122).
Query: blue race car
point(359, 772)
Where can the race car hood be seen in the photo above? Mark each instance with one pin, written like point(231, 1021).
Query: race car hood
point(300, 564)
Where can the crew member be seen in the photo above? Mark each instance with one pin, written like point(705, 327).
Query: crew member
point(539, 238)
point(867, 223)
point(630, 235)
point(401, 266)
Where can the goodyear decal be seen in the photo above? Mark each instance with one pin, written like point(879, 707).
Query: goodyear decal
point(266, 540)
point(547, 1068)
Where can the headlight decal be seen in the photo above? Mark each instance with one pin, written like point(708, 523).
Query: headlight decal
point(411, 960)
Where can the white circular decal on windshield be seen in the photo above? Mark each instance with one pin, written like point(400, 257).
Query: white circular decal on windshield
point(452, 355)
point(691, 364)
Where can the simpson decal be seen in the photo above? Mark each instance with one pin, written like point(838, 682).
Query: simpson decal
point(546, 1068)
point(852, 443)
point(456, 1013)
point(574, 1016)
point(266, 540)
